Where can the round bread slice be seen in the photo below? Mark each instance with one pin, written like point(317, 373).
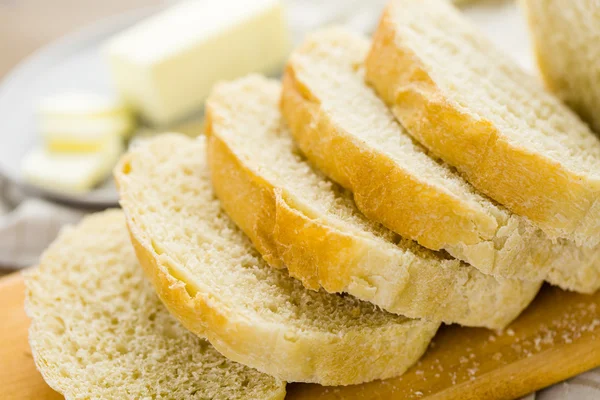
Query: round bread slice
point(99, 331)
point(472, 106)
point(348, 132)
point(298, 218)
point(213, 280)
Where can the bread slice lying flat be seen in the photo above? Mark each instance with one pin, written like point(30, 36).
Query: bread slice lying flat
point(348, 132)
point(212, 279)
point(100, 332)
point(299, 219)
point(566, 37)
point(474, 108)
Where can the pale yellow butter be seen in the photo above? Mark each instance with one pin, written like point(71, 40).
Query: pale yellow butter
point(164, 67)
point(71, 172)
point(82, 122)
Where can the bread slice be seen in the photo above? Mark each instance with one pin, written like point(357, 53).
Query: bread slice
point(299, 219)
point(565, 37)
point(212, 279)
point(477, 110)
point(100, 332)
point(348, 132)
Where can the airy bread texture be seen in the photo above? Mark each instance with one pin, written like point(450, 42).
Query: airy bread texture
point(212, 279)
point(478, 111)
point(300, 219)
point(99, 331)
point(566, 37)
point(348, 132)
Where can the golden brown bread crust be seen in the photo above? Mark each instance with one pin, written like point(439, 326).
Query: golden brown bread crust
point(342, 260)
point(383, 191)
point(328, 359)
point(263, 214)
point(560, 201)
point(251, 217)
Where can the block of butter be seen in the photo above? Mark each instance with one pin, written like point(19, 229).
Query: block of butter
point(71, 172)
point(165, 66)
point(82, 122)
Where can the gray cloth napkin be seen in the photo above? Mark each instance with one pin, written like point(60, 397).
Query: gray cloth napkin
point(28, 225)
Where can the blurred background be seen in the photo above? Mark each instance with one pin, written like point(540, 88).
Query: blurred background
point(27, 25)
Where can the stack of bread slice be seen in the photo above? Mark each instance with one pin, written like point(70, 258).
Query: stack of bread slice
point(316, 235)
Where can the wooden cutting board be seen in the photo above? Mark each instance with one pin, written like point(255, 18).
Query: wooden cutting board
point(555, 338)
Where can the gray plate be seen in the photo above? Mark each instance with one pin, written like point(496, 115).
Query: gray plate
point(72, 63)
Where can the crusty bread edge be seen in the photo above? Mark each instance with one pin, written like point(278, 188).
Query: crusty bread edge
point(234, 183)
point(278, 350)
point(246, 197)
point(404, 83)
point(404, 284)
point(374, 178)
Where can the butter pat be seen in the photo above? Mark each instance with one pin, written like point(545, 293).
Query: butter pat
point(165, 66)
point(82, 122)
point(71, 172)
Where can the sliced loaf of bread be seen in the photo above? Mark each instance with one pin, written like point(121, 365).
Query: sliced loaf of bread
point(211, 278)
point(300, 219)
point(566, 42)
point(99, 331)
point(472, 106)
point(347, 131)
